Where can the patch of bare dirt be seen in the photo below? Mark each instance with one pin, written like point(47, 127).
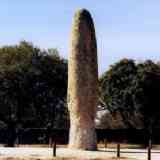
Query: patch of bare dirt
point(55, 158)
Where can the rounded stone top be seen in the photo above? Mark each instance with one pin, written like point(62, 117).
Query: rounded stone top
point(83, 39)
point(83, 12)
point(83, 15)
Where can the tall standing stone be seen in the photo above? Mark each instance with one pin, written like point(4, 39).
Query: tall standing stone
point(83, 82)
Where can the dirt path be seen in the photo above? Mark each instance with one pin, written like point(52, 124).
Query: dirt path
point(46, 153)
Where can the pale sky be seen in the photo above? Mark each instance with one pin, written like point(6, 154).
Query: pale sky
point(124, 28)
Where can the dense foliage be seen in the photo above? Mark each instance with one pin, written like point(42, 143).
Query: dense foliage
point(33, 86)
point(132, 88)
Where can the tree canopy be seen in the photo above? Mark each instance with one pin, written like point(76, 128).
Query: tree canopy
point(132, 88)
point(33, 86)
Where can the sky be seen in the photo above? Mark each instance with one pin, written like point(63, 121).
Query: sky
point(124, 28)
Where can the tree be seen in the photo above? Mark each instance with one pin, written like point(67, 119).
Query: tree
point(116, 88)
point(148, 98)
point(128, 88)
point(33, 85)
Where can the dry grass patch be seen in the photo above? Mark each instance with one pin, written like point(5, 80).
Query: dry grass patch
point(58, 158)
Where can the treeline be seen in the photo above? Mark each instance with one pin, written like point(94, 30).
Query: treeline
point(33, 89)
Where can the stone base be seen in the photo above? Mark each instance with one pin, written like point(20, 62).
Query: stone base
point(82, 137)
